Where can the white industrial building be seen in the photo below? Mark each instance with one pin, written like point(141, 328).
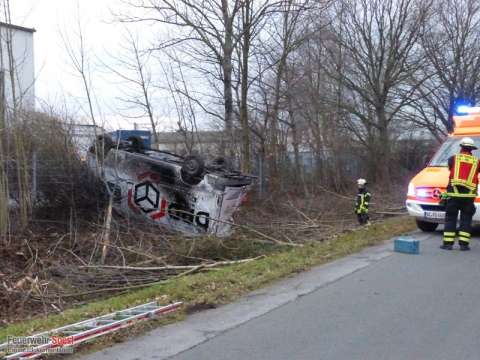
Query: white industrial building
point(17, 54)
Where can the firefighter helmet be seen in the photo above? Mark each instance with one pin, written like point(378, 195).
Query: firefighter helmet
point(468, 143)
point(361, 182)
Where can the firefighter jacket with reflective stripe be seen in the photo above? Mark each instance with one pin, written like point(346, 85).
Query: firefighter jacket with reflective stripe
point(362, 201)
point(463, 180)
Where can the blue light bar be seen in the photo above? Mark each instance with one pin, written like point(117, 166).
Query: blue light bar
point(467, 110)
point(463, 110)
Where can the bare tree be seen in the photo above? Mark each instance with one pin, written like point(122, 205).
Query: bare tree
point(285, 42)
point(379, 42)
point(133, 69)
point(79, 58)
point(207, 29)
point(185, 105)
point(247, 33)
point(451, 43)
point(75, 48)
point(313, 116)
point(255, 15)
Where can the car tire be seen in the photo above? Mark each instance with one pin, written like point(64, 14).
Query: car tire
point(103, 144)
point(136, 144)
point(192, 171)
point(426, 226)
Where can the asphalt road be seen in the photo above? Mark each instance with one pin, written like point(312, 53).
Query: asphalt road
point(374, 305)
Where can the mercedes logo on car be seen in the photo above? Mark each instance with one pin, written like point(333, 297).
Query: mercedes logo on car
point(436, 194)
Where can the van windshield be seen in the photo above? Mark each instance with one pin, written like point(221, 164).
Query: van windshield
point(451, 147)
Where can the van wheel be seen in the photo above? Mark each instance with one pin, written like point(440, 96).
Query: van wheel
point(136, 144)
point(426, 226)
point(102, 146)
point(192, 170)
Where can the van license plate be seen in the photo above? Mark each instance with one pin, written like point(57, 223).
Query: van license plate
point(434, 214)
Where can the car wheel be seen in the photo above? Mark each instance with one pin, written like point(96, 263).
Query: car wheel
point(136, 144)
point(102, 146)
point(192, 169)
point(426, 226)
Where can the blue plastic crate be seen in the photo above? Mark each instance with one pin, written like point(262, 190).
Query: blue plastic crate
point(407, 245)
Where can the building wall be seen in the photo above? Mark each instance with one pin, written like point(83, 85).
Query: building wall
point(23, 64)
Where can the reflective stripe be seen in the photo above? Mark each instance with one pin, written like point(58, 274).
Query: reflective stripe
point(449, 236)
point(464, 234)
point(363, 206)
point(464, 183)
point(473, 173)
point(460, 195)
point(469, 182)
point(457, 169)
point(464, 239)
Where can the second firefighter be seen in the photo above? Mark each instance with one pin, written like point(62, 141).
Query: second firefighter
point(362, 202)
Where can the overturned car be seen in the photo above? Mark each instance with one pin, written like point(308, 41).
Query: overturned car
point(181, 193)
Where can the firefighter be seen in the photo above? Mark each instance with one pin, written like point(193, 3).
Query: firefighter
point(460, 196)
point(362, 201)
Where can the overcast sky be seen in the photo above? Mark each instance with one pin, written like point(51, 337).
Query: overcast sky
point(56, 80)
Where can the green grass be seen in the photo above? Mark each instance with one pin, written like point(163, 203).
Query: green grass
point(223, 285)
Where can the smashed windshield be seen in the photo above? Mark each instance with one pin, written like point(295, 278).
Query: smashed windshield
point(451, 147)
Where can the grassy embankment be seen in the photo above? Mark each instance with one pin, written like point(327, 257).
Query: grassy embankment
point(223, 285)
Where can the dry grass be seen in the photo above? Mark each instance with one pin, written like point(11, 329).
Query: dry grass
point(44, 269)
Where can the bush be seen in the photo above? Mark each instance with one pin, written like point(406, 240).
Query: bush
point(58, 182)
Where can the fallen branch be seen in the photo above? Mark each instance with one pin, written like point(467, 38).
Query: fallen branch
point(248, 228)
point(151, 257)
point(336, 194)
point(390, 213)
point(189, 270)
point(172, 267)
